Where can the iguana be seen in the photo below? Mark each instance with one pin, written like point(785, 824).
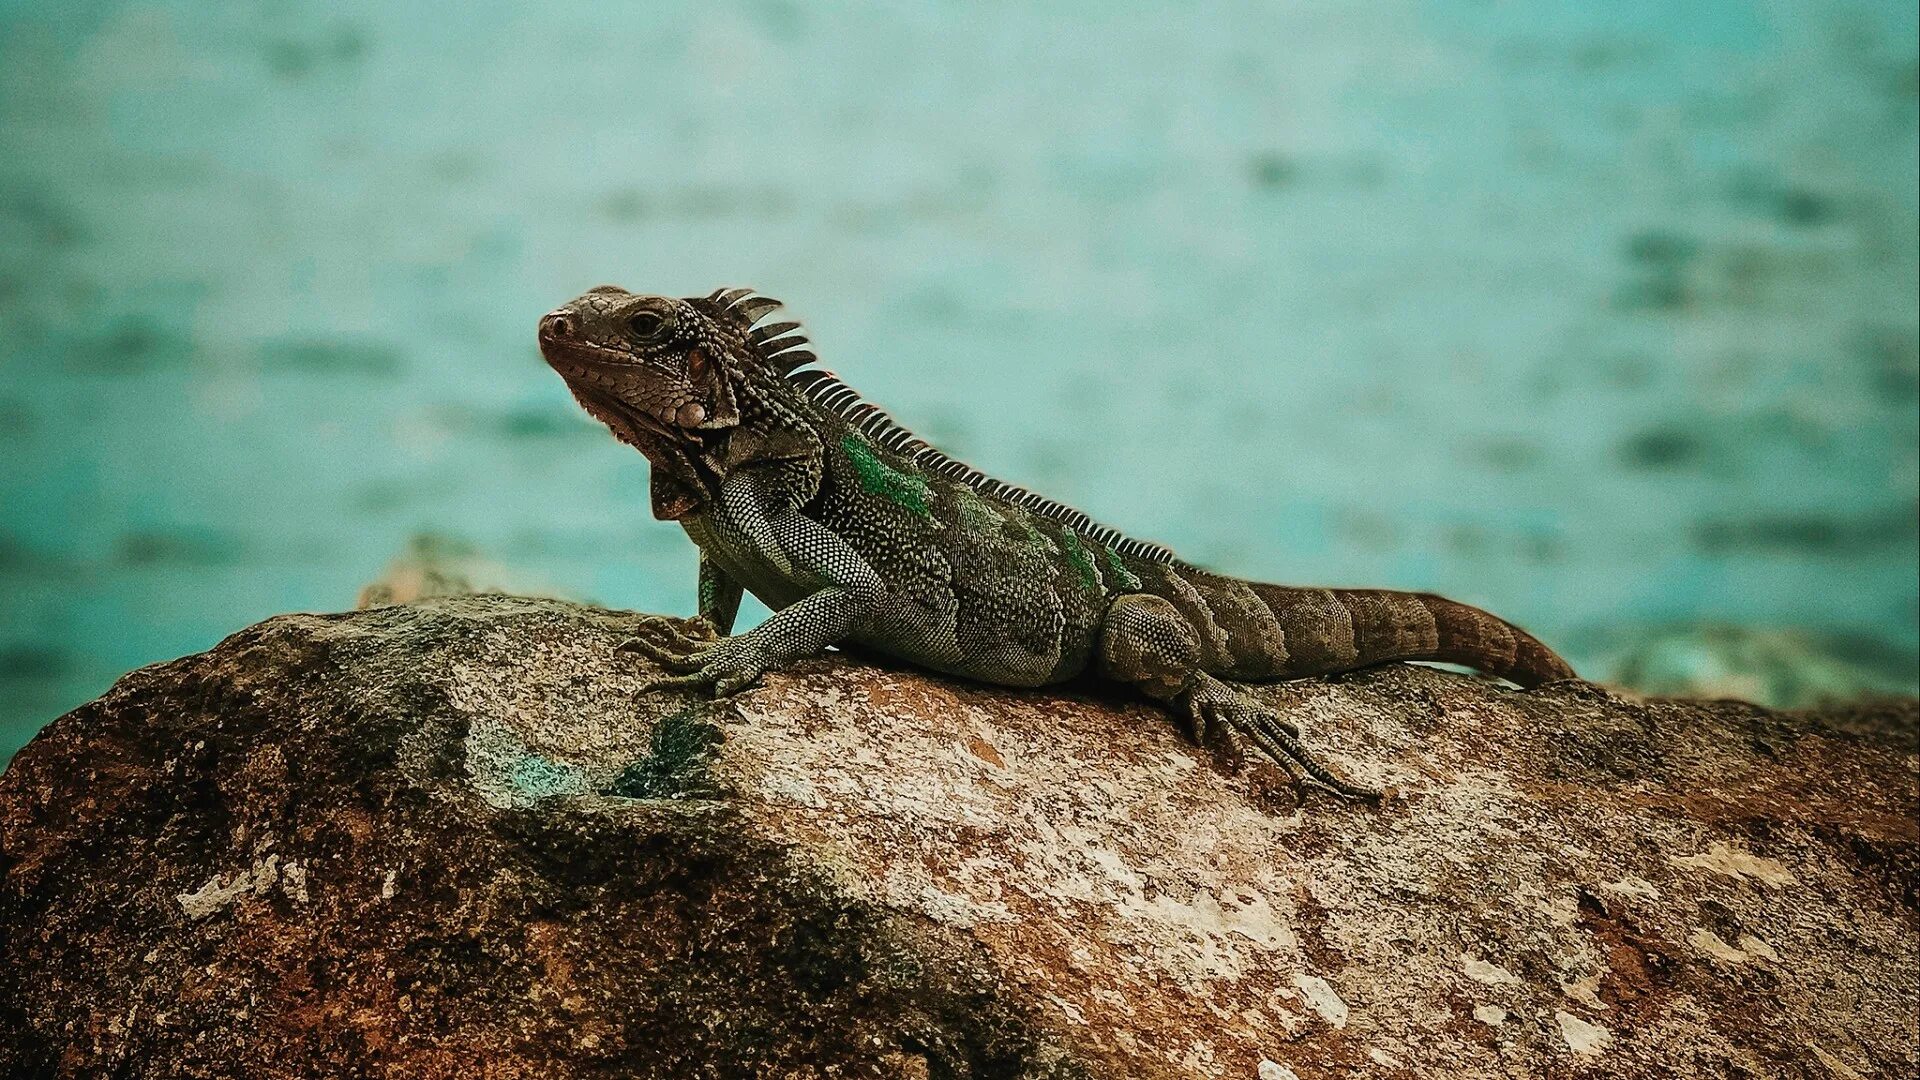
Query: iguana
point(852, 530)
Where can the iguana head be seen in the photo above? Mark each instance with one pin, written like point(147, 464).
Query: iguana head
point(671, 367)
point(674, 376)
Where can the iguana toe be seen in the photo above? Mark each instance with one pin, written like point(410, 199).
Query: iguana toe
point(678, 661)
point(1218, 711)
point(683, 634)
point(726, 666)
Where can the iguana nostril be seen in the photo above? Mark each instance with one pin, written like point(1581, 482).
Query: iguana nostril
point(556, 325)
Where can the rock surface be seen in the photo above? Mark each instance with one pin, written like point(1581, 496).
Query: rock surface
point(457, 839)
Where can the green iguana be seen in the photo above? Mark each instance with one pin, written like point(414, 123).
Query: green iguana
point(852, 530)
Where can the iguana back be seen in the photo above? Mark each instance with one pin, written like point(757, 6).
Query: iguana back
point(1248, 631)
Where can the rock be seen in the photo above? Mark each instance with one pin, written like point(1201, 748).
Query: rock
point(457, 838)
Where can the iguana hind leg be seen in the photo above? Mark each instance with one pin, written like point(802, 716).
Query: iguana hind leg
point(1147, 642)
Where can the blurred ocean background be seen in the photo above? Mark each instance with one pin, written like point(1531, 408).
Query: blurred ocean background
point(1602, 315)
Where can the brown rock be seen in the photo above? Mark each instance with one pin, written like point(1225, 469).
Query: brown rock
point(455, 839)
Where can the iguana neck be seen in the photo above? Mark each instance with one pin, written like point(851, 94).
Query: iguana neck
point(779, 432)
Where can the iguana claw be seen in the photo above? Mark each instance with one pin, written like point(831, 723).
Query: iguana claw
point(728, 665)
point(671, 659)
point(1217, 709)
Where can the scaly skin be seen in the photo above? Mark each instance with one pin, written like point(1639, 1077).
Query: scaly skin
point(852, 530)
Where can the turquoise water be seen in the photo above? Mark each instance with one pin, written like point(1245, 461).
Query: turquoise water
point(1600, 315)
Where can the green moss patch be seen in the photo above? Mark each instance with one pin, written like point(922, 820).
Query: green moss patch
point(677, 761)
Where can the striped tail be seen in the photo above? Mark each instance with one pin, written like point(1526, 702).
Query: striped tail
point(1328, 630)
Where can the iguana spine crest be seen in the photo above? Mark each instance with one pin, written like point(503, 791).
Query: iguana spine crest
point(780, 346)
point(825, 389)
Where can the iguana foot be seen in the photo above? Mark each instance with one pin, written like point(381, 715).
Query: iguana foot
point(727, 665)
point(664, 629)
point(1217, 710)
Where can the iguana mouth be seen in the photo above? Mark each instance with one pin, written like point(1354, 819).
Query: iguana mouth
point(585, 367)
point(584, 354)
point(643, 422)
point(610, 405)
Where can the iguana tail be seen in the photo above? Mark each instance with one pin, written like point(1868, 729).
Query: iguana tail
point(1339, 629)
point(1254, 631)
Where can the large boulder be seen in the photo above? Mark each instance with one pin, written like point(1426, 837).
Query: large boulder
point(457, 838)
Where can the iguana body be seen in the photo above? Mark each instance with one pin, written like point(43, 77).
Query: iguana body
point(852, 530)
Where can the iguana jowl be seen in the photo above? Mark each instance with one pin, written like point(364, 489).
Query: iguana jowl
point(852, 530)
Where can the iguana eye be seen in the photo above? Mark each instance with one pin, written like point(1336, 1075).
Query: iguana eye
point(646, 325)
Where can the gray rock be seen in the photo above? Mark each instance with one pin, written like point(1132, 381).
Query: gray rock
point(457, 839)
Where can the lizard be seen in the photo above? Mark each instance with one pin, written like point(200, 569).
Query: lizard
point(855, 532)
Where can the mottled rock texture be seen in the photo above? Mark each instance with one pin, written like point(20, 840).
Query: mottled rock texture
point(456, 839)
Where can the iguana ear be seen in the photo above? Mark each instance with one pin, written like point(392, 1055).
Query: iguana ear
point(710, 377)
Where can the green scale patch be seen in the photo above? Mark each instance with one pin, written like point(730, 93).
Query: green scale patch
point(1076, 553)
point(1123, 577)
point(879, 478)
point(975, 514)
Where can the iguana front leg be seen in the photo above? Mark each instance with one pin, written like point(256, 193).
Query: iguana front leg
point(847, 590)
